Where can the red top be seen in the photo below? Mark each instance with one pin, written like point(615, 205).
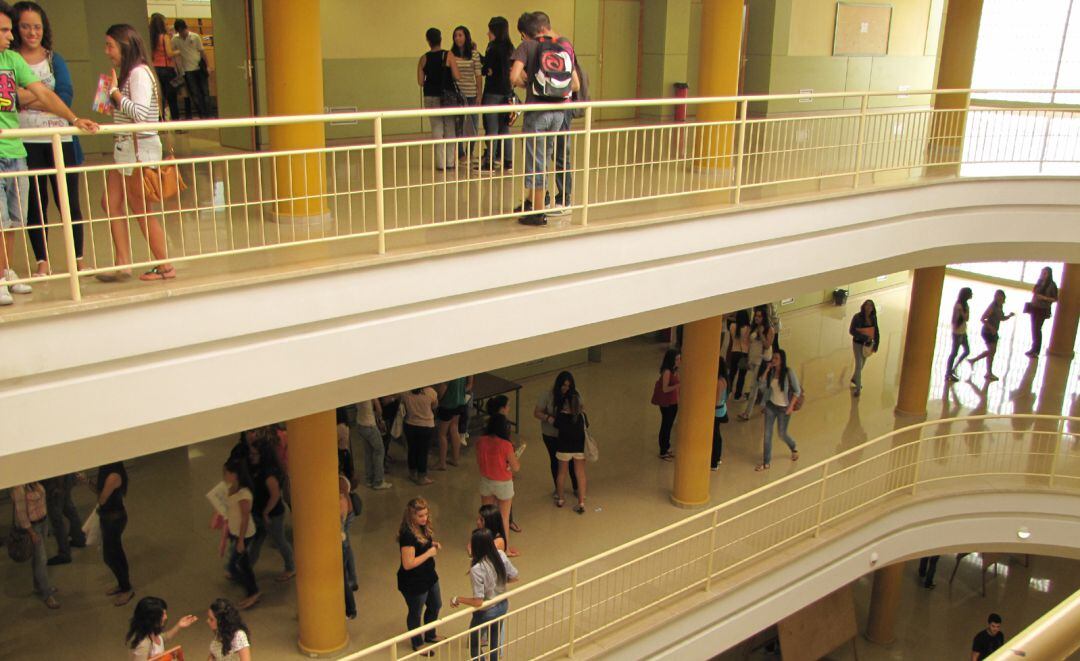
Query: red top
point(661, 398)
point(493, 457)
point(160, 55)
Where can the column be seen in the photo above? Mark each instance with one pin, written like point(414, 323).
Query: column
point(697, 402)
point(954, 69)
point(294, 86)
point(1066, 314)
point(718, 75)
point(884, 602)
point(320, 584)
point(919, 340)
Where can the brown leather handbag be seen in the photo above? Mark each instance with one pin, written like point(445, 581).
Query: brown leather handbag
point(161, 182)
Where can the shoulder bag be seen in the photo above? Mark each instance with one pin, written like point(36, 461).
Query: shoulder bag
point(20, 547)
point(162, 182)
point(592, 449)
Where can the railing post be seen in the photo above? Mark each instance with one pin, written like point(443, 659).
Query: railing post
point(586, 168)
point(712, 550)
point(740, 151)
point(573, 608)
point(861, 139)
point(380, 206)
point(918, 463)
point(821, 499)
point(65, 218)
point(1054, 457)
point(393, 652)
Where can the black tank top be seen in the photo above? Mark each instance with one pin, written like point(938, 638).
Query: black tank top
point(434, 73)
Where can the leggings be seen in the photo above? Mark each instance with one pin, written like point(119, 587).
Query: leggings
point(112, 548)
point(419, 442)
point(667, 421)
point(39, 155)
point(737, 372)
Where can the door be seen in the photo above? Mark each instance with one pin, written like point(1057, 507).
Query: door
point(234, 47)
point(619, 24)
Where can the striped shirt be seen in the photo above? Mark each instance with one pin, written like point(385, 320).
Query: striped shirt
point(139, 101)
point(29, 502)
point(469, 70)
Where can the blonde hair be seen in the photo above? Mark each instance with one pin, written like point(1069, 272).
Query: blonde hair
point(423, 533)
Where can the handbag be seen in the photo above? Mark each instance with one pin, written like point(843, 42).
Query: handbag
point(799, 401)
point(162, 182)
point(867, 350)
point(92, 528)
point(451, 94)
point(592, 449)
point(20, 547)
point(397, 428)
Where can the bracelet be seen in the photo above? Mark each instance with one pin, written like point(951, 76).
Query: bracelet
point(454, 601)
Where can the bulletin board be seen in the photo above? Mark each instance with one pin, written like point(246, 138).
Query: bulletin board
point(862, 29)
point(819, 628)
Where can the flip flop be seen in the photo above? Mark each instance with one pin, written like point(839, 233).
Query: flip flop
point(762, 467)
point(117, 276)
point(158, 273)
point(514, 527)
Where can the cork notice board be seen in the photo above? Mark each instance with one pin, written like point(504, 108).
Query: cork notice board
point(862, 29)
point(819, 628)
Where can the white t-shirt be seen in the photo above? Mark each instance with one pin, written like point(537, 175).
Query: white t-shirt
point(191, 50)
point(235, 515)
point(30, 118)
point(239, 642)
point(365, 413)
point(148, 648)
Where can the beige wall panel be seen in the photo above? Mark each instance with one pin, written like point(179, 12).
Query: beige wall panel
point(814, 22)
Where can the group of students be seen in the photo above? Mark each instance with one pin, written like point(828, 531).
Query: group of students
point(147, 632)
point(544, 65)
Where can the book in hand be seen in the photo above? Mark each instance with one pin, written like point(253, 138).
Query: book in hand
point(102, 103)
point(519, 450)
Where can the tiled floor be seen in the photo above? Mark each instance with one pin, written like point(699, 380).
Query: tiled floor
point(173, 552)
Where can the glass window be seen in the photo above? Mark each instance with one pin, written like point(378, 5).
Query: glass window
point(1020, 45)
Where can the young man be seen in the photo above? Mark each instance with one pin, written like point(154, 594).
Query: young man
point(18, 84)
point(988, 640)
point(191, 53)
point(436, 71)
point(537, 41)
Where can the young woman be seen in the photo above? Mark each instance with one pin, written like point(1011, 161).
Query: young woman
point(344, 444)
point(545, 411)
point(720, 415)
point(738, 361)
point(164, 60)
point(417, 580)
point(491, 518)
point(146, 636)
point(419, 428)
point(991, 322)
point(1043, 296)
point(33, 40)
point(666, 396)
point(435, 72)
point(762, 338)
point(960, 315)
point(570, 422)
point(135, 98)
point(864, 333)
point(489, 573)
point(268, 507)
point(111, 487)
point(758, 388)
point(471, 85)
point(451, 405)
point(31, 515)
point(241, 528)
point(231, 640)
point(781, 392)
point(348, 513)
point(497, 461)
point(497, 92)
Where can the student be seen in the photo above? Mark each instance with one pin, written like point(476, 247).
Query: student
point(988, 640)
point(762, 338)
point(369, 422)
point(28, 501)
point(666, 397)
point(1043, 295)
point(782, 391)
point(14, 191)
point(497, 460)
point(497, 92)
point(146, 636)
point(545, 411)
point(65, 523)
point(738, 359)
point(991, 323)
point(232, 639)
point(191, 54)
point(491, 518)
point(437, 73)
point(471, 86)
point(268, 506)
point(864, 333)
point(543, 84)
point(489, 572)
point(417, 579)
point(720, 415)
point(419, 428)
point(449, 411)
point(241, 529)
point(347, 513)
point(111, 487)
point(164, 58)
point(960, 315)
point(571, 422)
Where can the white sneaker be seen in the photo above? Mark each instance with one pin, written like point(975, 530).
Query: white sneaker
point(382, 486)
point(465, 440)
point(556, 210)
point(5, 296)
point(20, 288)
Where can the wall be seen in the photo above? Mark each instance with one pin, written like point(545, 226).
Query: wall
point(179, 8)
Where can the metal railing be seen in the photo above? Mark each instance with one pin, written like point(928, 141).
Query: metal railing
point(574, 605)
point(380, 195)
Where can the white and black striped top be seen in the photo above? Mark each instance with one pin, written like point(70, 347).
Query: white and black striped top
point(139, 101)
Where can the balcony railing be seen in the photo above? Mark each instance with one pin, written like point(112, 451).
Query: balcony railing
point(380, 196)
point(577, 604)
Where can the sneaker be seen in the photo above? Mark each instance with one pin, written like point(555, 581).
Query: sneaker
point(382, 486)
point(19, 288)
point(524, 207)
point(557, 210)
point(5, 296)
point(714, 468)
point(534, 219)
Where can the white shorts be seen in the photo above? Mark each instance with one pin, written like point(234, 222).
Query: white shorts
point(124, 152)
point(567, 456)
point(502, 490)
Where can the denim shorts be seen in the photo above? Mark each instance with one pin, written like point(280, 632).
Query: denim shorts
point(538, 149)
point(15, 192)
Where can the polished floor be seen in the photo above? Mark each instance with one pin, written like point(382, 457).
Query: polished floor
point(173, 553)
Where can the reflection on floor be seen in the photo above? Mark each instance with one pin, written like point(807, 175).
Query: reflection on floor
point(173, 553)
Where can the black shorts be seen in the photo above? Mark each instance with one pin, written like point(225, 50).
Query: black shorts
point(989, 336)
point(446, 415)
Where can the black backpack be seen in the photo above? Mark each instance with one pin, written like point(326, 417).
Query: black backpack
point(554, 71)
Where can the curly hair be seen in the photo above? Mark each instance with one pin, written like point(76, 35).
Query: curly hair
point(228, 623)
point(46, 30)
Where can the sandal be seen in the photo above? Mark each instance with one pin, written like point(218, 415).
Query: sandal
point(579, 508)
point(512, 553)
point(118, 276)
point(762, 467)
point(559, 502)
point(514, 527)
point(123, 598)
point(158, 273)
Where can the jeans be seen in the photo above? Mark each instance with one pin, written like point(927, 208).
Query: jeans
point(419, 441)
point(428, 603)
point(39, 155)
point(274, 527)
point(14, 194)
point(1037, 320)
point(240, 566)
point(736, 376)
point(958, 340)
point(564, 180)
point(538, 148)
point(350, 598)
point(494, 631)
point(442, 128)
point(112, 547)
point(64, 520)
point(165, 76)
point(374, 453)
point(468, 126)
point(717, 443)
point(860, 360)
point(667, 421)
point(497, 124)
point(350, 557)
point(40, 559)
point(198, 92)
point(927, 569)
point(756, 388)
point(779, 414)
point(552, 444)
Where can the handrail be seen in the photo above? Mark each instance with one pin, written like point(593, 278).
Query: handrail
point(852, 462)
point(1055, 635)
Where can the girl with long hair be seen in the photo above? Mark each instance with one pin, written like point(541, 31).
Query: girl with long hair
point(497, 92)
point(241, 528)
point(864, 333)
point(146, 636)
point(570, 422)
point(1043, 296)
point(136, 99)
point(497, 460)
point(960, 315)
point(546, 411)
point(720, 415)
point(471, 85)
point(419, 428)
point(417, 579)
point(991, 321)
point(782, 392)
point(490, 570)
point(232, 638)
point(666, 397)
point(490, 517)
point(163, 57)
point(268, 506)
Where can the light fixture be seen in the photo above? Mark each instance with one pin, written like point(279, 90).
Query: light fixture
point(1023, 532)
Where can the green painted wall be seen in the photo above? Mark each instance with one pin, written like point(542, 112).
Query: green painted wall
point(665, 50)
point(855, 290)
